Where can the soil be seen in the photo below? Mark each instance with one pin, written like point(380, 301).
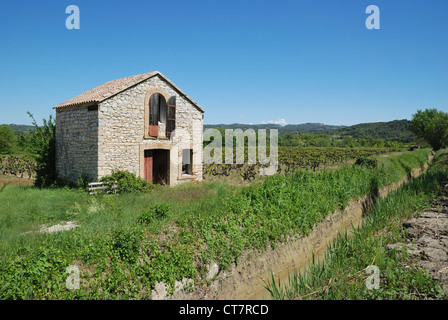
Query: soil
point(245, 280)
point(427, 239)
point(15, 181)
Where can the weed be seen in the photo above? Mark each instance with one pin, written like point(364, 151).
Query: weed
point(371, 163)
point(126, 242)
point(127, 182)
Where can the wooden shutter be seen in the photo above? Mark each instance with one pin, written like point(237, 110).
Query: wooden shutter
point(162, 114)
point(171, 116)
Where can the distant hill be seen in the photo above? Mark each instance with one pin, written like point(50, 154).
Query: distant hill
point(19, 128)
point(393, 130)
point(290, 128)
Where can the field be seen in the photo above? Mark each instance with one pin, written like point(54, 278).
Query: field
point(404, 232)
point(125, 244)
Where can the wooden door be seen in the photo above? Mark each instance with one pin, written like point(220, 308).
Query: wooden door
point(148, 164)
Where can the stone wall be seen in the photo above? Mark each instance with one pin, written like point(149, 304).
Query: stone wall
point(76, 143)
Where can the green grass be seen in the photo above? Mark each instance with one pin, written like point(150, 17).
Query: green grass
point(124, 245)
point(342, 275)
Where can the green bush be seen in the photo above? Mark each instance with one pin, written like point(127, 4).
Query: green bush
point(7, 140)
point(146, 217)
point(83, 181)
point(161, 210)
point(368, 162)
point(158, 211)
point(44, 143)
point(126, 242)
point(127, 182)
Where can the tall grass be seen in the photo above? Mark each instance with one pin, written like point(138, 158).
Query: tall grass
point(342, 272)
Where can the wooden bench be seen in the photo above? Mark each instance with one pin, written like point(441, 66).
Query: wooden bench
point(94, 187)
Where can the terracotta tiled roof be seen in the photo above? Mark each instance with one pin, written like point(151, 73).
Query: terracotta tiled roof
point(111, 88)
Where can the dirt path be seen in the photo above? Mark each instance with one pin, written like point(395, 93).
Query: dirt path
point(15, 181)
point(427, 239)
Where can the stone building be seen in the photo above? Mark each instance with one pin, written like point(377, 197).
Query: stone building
point(143, 124)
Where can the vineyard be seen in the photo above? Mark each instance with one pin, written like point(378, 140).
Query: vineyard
point(290, 160)
point(17, 165)
point(294, 158)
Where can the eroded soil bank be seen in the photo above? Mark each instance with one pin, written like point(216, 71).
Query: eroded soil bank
point(245, 280)
point(427, 239)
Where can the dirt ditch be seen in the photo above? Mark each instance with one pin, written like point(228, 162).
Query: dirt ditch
point(245, 280)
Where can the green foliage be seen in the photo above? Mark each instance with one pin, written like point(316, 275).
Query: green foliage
point(126, 242)
point(45, 149)
point(432, 126)
point(17, 140)
point(326, 140)
point(158, 211)
point(7, 140)
point(248, 172)
point(17, 165)
point(127, 182)
point(83, 181)
point(341, 274)
point(161, 210)
point(146, 217)
point(396, 130)
point(293, 158)
point(371, 163)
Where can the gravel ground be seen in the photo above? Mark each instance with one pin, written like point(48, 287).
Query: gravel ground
point(427, 239)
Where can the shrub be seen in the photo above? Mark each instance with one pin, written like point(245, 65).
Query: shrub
point(126, 242)
point(371, 163)
point(127, 182)
point(158, 211)
point(146, 217)
point(45, 149)
point(7, 139)
point(161, 210)
point(83, 181)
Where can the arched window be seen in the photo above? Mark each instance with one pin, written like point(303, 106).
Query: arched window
point(157, 115)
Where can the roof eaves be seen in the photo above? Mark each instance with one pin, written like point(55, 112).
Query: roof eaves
point(108, 96)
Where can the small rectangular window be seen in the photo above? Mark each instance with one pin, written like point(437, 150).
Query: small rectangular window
point(93, 107)
point(187, 161)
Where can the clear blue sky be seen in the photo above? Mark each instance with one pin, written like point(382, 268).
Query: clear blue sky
point(245, 61)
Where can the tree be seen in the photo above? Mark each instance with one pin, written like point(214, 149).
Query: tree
point(432, 126)
point(45, 150)
point(7, 140)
